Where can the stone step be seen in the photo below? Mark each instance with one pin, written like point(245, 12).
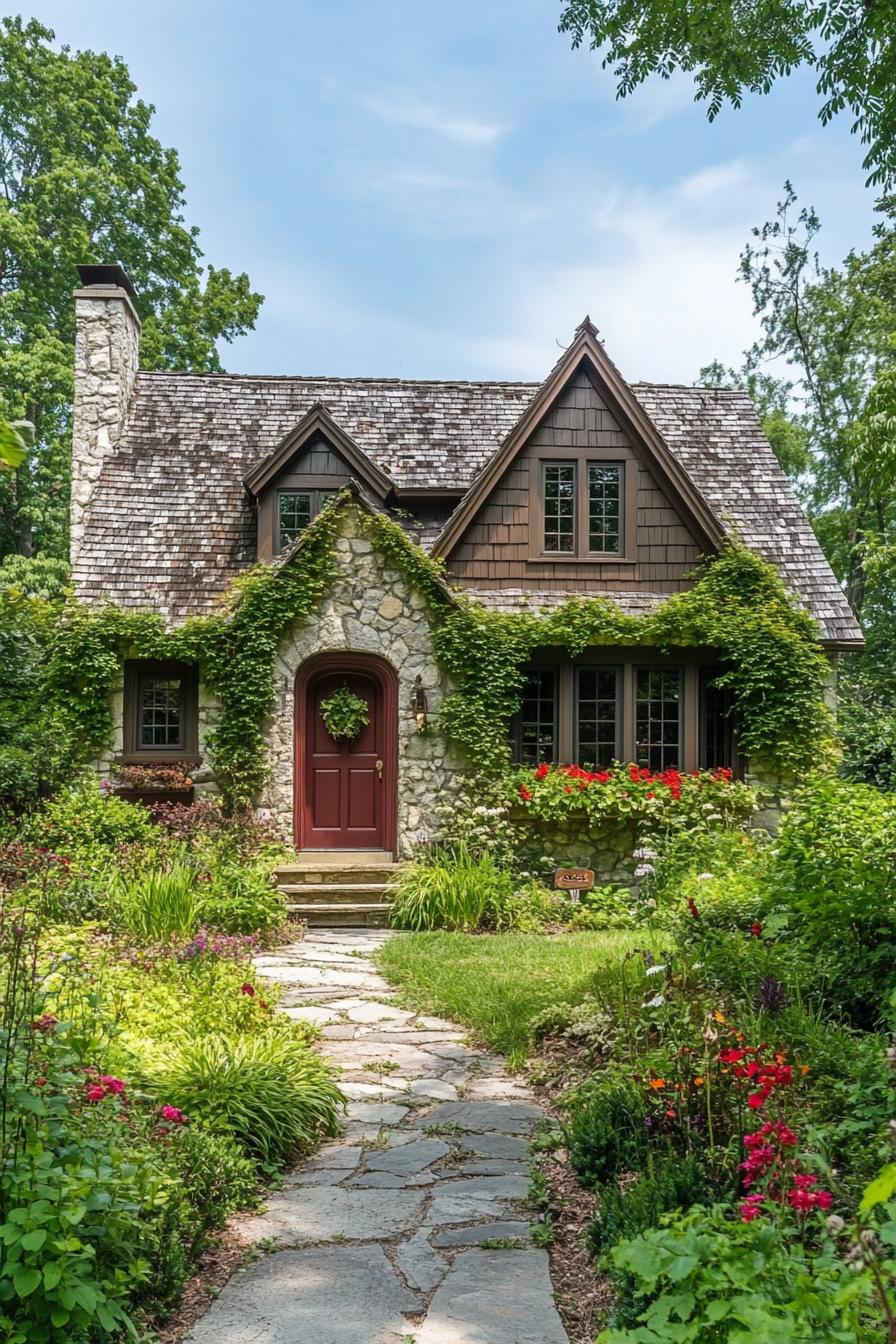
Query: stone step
point(294, 875)
point(331, 893)
point(368, 914)
point(344, 858)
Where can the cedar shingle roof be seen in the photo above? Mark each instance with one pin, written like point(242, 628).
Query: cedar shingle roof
point(171, 523)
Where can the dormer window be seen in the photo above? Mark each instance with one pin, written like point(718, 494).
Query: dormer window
point(295, 509)
point(584, 509)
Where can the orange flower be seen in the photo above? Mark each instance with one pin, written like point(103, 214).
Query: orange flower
point(698, 1082)
point(719, 1017)
point(657, 1083)
point(804, 1069)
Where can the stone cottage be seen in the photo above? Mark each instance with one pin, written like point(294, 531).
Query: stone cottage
point(529, 492)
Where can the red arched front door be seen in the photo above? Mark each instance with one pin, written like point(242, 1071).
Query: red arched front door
point(345, 791)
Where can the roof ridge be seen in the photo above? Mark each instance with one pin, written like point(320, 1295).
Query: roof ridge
point(337, 378)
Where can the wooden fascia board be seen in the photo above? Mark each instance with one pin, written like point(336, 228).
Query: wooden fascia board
point(584, 346)
point(317, 420)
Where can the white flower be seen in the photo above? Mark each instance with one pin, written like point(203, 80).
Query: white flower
point(654, 970)
point(704, 877)
point(651, 903)
point(656, 1002)
point(644, 853)
point(644, 870)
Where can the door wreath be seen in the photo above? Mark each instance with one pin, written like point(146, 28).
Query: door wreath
point(344, 714)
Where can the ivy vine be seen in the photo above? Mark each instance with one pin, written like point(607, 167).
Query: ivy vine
point(739, 606)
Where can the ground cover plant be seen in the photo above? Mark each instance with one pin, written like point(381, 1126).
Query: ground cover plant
point(149, 1085)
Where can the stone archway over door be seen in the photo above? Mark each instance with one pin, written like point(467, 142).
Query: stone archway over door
point(345, 791)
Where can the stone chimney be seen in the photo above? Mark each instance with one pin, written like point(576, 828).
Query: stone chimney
point(107, 352)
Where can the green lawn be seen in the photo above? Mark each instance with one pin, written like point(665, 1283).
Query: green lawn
point(498, 983)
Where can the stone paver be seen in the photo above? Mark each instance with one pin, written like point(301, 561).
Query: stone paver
point(378, 1238)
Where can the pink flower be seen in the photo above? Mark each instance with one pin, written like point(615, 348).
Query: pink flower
point(95, 1092)
point(248, 989)
point(173, 1115)
point(114, 1085)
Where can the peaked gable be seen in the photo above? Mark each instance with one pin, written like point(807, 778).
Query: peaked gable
point(625, 414)
point(317, 422)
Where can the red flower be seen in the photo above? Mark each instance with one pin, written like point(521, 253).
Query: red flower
point(695, 913)
point(756, 930)
point(731, 1056)
point(543, 771)
point(525, 794)
point(95, 1092)
point(248, 989)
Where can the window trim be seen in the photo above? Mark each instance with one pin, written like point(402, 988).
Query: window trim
point(626, 660)
point(134, 672)
point(516, 723)
point(581, 459)
point(619, 669)
point(317, 496)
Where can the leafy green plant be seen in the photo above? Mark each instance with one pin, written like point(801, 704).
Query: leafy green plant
point(241, 899)
point(273, 1093)
point(713, 1281)
point(159, 904)
point(344, 714)
point(449, 889)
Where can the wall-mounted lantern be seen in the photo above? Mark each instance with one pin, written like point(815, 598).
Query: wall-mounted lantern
point(418, 704)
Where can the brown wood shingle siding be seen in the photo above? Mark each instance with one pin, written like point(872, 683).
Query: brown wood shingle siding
point(496, 546)
point(316, 466)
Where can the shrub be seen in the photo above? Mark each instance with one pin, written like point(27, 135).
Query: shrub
point(667, 1182)
point(157, 905)
point(272, 1093)
point(605, 1132)
point(833, 870)
point(84, 819)
point(241, 899)
point(450, 889)
point(216, 1178)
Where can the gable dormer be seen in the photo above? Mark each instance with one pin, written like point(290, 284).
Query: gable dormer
point(309, 466)
point(584, 494)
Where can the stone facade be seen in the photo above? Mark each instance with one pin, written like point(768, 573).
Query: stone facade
point(371, 609)
point(107, 352)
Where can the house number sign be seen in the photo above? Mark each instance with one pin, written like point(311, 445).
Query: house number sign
point(574, 880)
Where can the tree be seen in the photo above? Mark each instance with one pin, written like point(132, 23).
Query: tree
point(83, 179)
point(736, 48)
point(832, 420)
point(833, 424)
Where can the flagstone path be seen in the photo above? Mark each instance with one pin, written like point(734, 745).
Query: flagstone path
point(408, 1229)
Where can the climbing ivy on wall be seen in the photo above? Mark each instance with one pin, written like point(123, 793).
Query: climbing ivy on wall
point(738, 606)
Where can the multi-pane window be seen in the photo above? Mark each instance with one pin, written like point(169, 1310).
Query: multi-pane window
point(295, 509)
point(160, 717)
point(535, 726)
point(604, 508)
point(295, 514)
point(559, 502)
point(658, 717)
point(716, 723)
point(597, 715)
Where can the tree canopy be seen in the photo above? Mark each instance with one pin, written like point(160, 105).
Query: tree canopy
point(733, 48)
point(82, 179)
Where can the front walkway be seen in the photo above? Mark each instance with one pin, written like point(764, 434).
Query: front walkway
point(408, 1229)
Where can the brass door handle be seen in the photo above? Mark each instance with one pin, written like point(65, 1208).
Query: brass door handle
point(379, 769)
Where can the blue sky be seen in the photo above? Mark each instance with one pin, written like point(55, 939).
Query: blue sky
point(427, 190)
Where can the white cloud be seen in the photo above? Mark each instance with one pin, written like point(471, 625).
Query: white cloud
point(661, 289)
point(406, 111)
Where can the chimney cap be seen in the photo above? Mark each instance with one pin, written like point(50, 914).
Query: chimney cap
point(113, 274)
